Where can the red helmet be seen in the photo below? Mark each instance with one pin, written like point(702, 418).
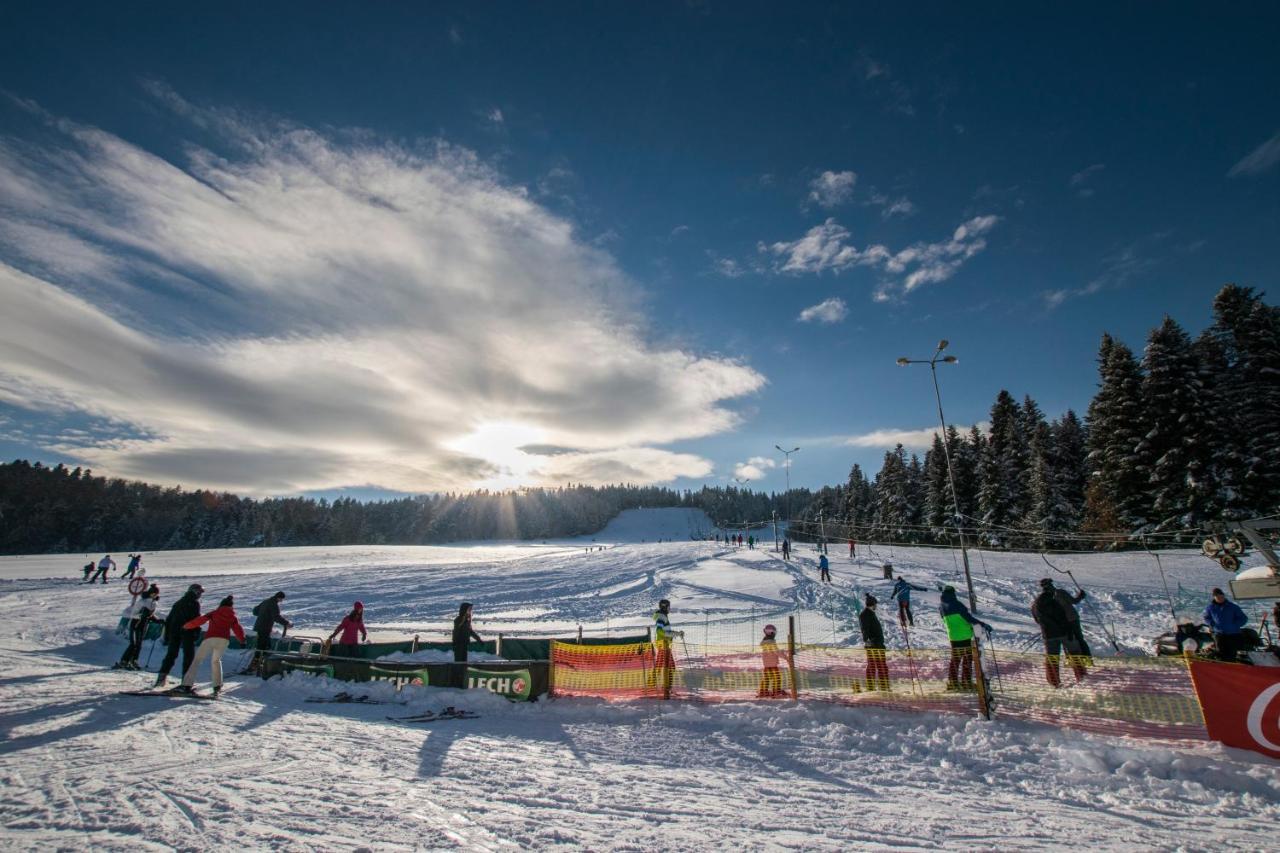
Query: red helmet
point(769, 629)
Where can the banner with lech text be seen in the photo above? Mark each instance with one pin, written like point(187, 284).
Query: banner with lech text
point(515, 684)
point(1241, 704)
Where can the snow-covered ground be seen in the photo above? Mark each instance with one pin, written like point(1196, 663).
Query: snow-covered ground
point(84, 767)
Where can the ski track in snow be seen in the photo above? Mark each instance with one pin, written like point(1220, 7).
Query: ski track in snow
point(83, 767)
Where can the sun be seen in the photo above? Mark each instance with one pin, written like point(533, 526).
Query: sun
point(500, 443)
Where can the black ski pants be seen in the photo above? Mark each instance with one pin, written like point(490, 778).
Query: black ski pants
point(137, 633)
point(186, 642)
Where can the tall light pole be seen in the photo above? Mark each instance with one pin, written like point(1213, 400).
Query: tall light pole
point(946, 451)
point(787, 465)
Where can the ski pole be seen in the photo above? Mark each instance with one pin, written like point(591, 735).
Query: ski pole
point(911, 662)
point(995, 663)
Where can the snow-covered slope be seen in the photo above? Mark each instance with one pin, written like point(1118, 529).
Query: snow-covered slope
point(84, 767)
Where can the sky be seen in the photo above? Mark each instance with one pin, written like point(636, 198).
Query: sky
point(327, 249)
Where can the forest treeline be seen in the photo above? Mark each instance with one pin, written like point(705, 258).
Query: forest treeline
point(1186, 436)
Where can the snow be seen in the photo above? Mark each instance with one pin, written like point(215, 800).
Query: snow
point(83, 767)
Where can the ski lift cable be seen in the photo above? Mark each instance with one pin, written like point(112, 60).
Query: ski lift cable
point(1173, 611)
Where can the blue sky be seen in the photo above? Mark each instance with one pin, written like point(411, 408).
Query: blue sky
point(310, 247)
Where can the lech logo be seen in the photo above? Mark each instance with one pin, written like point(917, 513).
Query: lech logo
point(515, 684)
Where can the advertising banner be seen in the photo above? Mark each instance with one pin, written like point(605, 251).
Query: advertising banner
point(515, 684)
point(400, 677)
point(1241, 704)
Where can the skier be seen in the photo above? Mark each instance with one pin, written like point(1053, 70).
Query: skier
point(266, 615)
point(140, 617)
point(888, 571)
point(771, 680)
point(1056, 633)
point(135, 560)
point(463, 632)
point(1225, 619)
point(222, 623)
point(824, 569)
point(853, 549)
point(786, 549)
point(873, 640)
point(1069, 602)
point(959, 623)
point(351, 625)
point(88, 570)
point(176, 637)
point(105, 564)
point(662, 634)
point(902, 592)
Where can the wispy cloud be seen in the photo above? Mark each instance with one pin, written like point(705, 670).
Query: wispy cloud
point(305, 311)
point(827, 248)
point(912, 439)
point(832, 189)
point(495, 116)
point(889, 206)
point(828, 311)
point(879, 77)
point(755, 468)
point(1259, 160)
point(1117, 270)
point(1080, 180)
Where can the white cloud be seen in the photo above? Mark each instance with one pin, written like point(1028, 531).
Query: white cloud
point(727, 267)
point(1259, 160)
point(1084, 174)
point(912, 439)
point(495, 116)
point(755, 468)
point(826, 247)
point(891, 207)
point(832, 189)
point(307, 311)
point(831, 310)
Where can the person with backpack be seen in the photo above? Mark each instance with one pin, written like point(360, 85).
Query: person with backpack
point(222, 624)
point(178, 638)
point(873, 642)
point(902, 592)
point(824, 569)
point(463, 633)
point(959, 623)
point(351, 625)
point(266, 615)
point(104, 565)
point(1055, 630)
point(140, 618)
point(1226, 620)
point(771, 678)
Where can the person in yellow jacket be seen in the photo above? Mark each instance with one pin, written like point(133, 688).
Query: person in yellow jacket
point(664, 665)
point(959, 623)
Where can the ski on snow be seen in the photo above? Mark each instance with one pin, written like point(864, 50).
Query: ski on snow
point(347, 698)
point(169, 694)
point(449, 713)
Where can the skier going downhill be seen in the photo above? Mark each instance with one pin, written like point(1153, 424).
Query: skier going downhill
point(104, 565)
point(959, 623)
point(222, 624)
point(902, 592)
point(178, 638)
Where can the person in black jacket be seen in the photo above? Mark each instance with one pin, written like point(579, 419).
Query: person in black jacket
point(176, 637)
point(266, 616)
point(463, 632)
point(873, 640)
point(1055, 629)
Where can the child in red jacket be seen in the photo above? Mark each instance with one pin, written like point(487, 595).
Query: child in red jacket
point(222, 623)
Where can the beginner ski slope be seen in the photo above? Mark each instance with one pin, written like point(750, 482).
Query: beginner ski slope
point(82, 767)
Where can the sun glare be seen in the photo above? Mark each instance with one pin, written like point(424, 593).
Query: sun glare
point(499, 442)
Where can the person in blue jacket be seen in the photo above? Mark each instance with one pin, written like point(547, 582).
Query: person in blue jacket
point(1225, 619)
point(902, 592)
point(824, 569)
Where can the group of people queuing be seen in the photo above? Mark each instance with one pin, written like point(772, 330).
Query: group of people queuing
point(738, 540)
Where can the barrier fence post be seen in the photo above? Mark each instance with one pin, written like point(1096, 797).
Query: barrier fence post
point(791, 654)
point(579, 635)
point(497, 648)
point(413, 648)
point(980, 680)
point(551, 672)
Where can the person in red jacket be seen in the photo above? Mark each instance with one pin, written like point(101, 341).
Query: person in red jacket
point(351, 625)
point(222, 624)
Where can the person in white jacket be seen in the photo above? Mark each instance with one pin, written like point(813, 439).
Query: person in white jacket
point(140, 618)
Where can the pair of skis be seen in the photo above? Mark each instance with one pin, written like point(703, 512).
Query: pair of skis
point(450, 713)
point(172, 693)
point(346, 698)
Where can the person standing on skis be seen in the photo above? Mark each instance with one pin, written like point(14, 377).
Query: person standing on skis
point(664, 660)
point(177, 637)
point(902, 592)
point(222, 623)
point(873, 641)
point(104, 565)
point(266, 615)
point(144, 611)
point(959, 623)
point(771, 679)
point(824, 569)
point(463, 633)
point(786, 549)
point(1068, 603)
point(135, 560)
point(1055, 630)
point(351, 625)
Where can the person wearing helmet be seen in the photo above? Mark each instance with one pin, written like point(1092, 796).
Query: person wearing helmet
point(177, 637)
point(664, 665)
point(771, 679)
point(873, 640)
point(351, 625)
point(959, 623)
point(1055, 630)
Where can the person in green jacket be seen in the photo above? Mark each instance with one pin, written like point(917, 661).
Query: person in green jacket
point(959, 623)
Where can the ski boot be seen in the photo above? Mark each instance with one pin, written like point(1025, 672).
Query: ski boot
point(161, 681)
point(216, 690)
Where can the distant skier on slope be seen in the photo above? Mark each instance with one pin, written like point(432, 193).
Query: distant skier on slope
point(222, 624)
point(664, 660)
point(771, 678)
point(902, 592)
point(351, 625)
point(104, 565)
point(959, 623)
point(88, 570)
point(135, 560)
point(873, 641)
point(1055, 630)
point(786, 549)
point(266, 615)
point(177, 637)
point(463, 632)
point(824, 569)
point(1225, 619)
point(140, 618)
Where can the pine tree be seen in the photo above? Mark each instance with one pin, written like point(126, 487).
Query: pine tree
point(937, 490)
point(1042, 515)
point(893, 498)
point(1003, 465)
point(1070, 471)
point(1116, 492)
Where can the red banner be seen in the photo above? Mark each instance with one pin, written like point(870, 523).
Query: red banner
point(1241, 704)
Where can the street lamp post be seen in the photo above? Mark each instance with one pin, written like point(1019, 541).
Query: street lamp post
point(946, 451)
point(787, 465)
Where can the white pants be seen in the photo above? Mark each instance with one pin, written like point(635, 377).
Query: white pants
point(211, 648)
